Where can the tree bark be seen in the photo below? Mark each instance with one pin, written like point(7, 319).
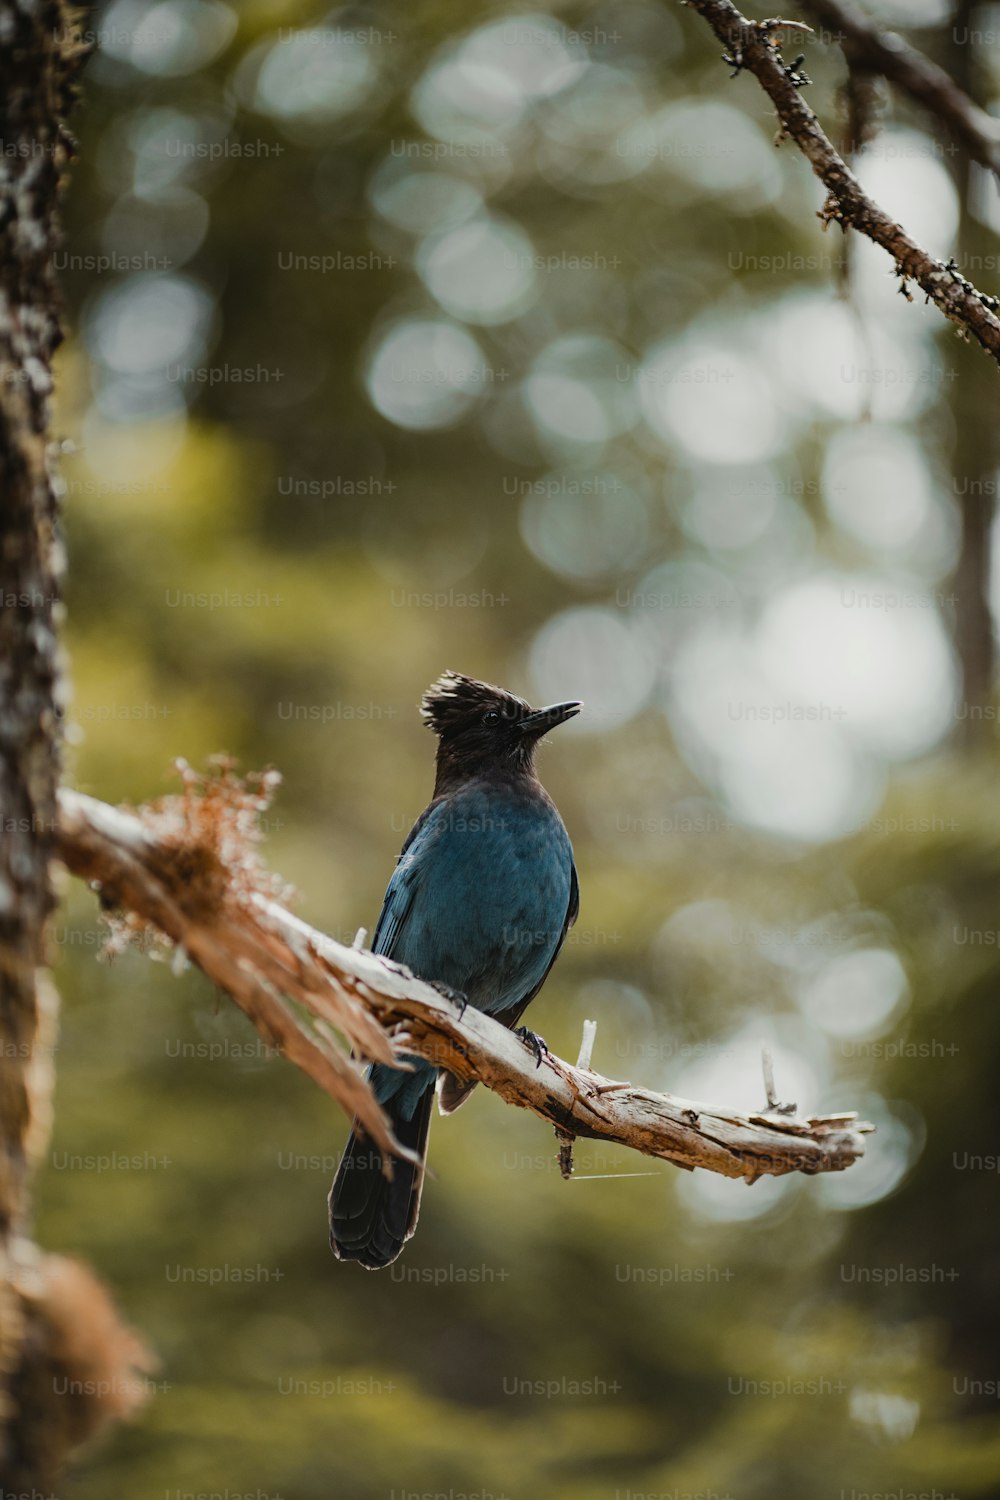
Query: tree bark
point(56, 1323)
point(34, 100)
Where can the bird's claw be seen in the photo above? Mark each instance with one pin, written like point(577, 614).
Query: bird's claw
point(535, 1042)
point(773, 1107)
point(455, 996)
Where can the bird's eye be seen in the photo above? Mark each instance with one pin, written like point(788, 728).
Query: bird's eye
point(491, 716)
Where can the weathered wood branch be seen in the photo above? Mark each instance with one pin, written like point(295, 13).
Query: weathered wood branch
point(265, 957)
point(868, 47)
point(753, 46)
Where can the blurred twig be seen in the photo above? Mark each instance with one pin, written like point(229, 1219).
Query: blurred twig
point(867, 47)
point(870, 53)
point(566, 1137)
point(753, 46)
point(258, 952)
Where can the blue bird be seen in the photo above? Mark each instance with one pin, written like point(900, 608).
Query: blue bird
point(481, 899)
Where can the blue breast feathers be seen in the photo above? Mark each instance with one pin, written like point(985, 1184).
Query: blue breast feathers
point(481, 895)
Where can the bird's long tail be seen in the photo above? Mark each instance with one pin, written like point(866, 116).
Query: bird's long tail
point(371, 1218)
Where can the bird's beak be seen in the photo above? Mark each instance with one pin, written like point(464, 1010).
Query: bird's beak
point(544, 719)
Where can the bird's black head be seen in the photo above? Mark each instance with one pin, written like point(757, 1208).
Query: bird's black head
point(481, 727)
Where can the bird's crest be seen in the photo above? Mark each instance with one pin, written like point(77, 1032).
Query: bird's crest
point(454, 700)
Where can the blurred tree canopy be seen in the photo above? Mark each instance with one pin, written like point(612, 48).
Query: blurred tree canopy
point(406, 339)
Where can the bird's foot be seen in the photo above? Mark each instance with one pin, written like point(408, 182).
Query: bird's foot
point(455, 996)
point(535, 1042)
point(774, 1107)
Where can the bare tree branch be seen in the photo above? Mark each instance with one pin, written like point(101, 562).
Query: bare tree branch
point(258, 952)
point(753, 45)
point(870, 54)
point(889, 54)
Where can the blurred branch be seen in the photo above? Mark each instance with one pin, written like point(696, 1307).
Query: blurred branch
point(976, 444)
point(876, 51)
point(753, 46)
point(258, 952)
point(566, 1137)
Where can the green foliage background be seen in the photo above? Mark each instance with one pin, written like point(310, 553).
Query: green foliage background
point(299, 1377)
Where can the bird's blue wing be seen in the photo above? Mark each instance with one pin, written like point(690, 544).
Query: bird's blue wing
point(453, 1092)
point(406, 1088)
point(400, 890)
point(513, 1013)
